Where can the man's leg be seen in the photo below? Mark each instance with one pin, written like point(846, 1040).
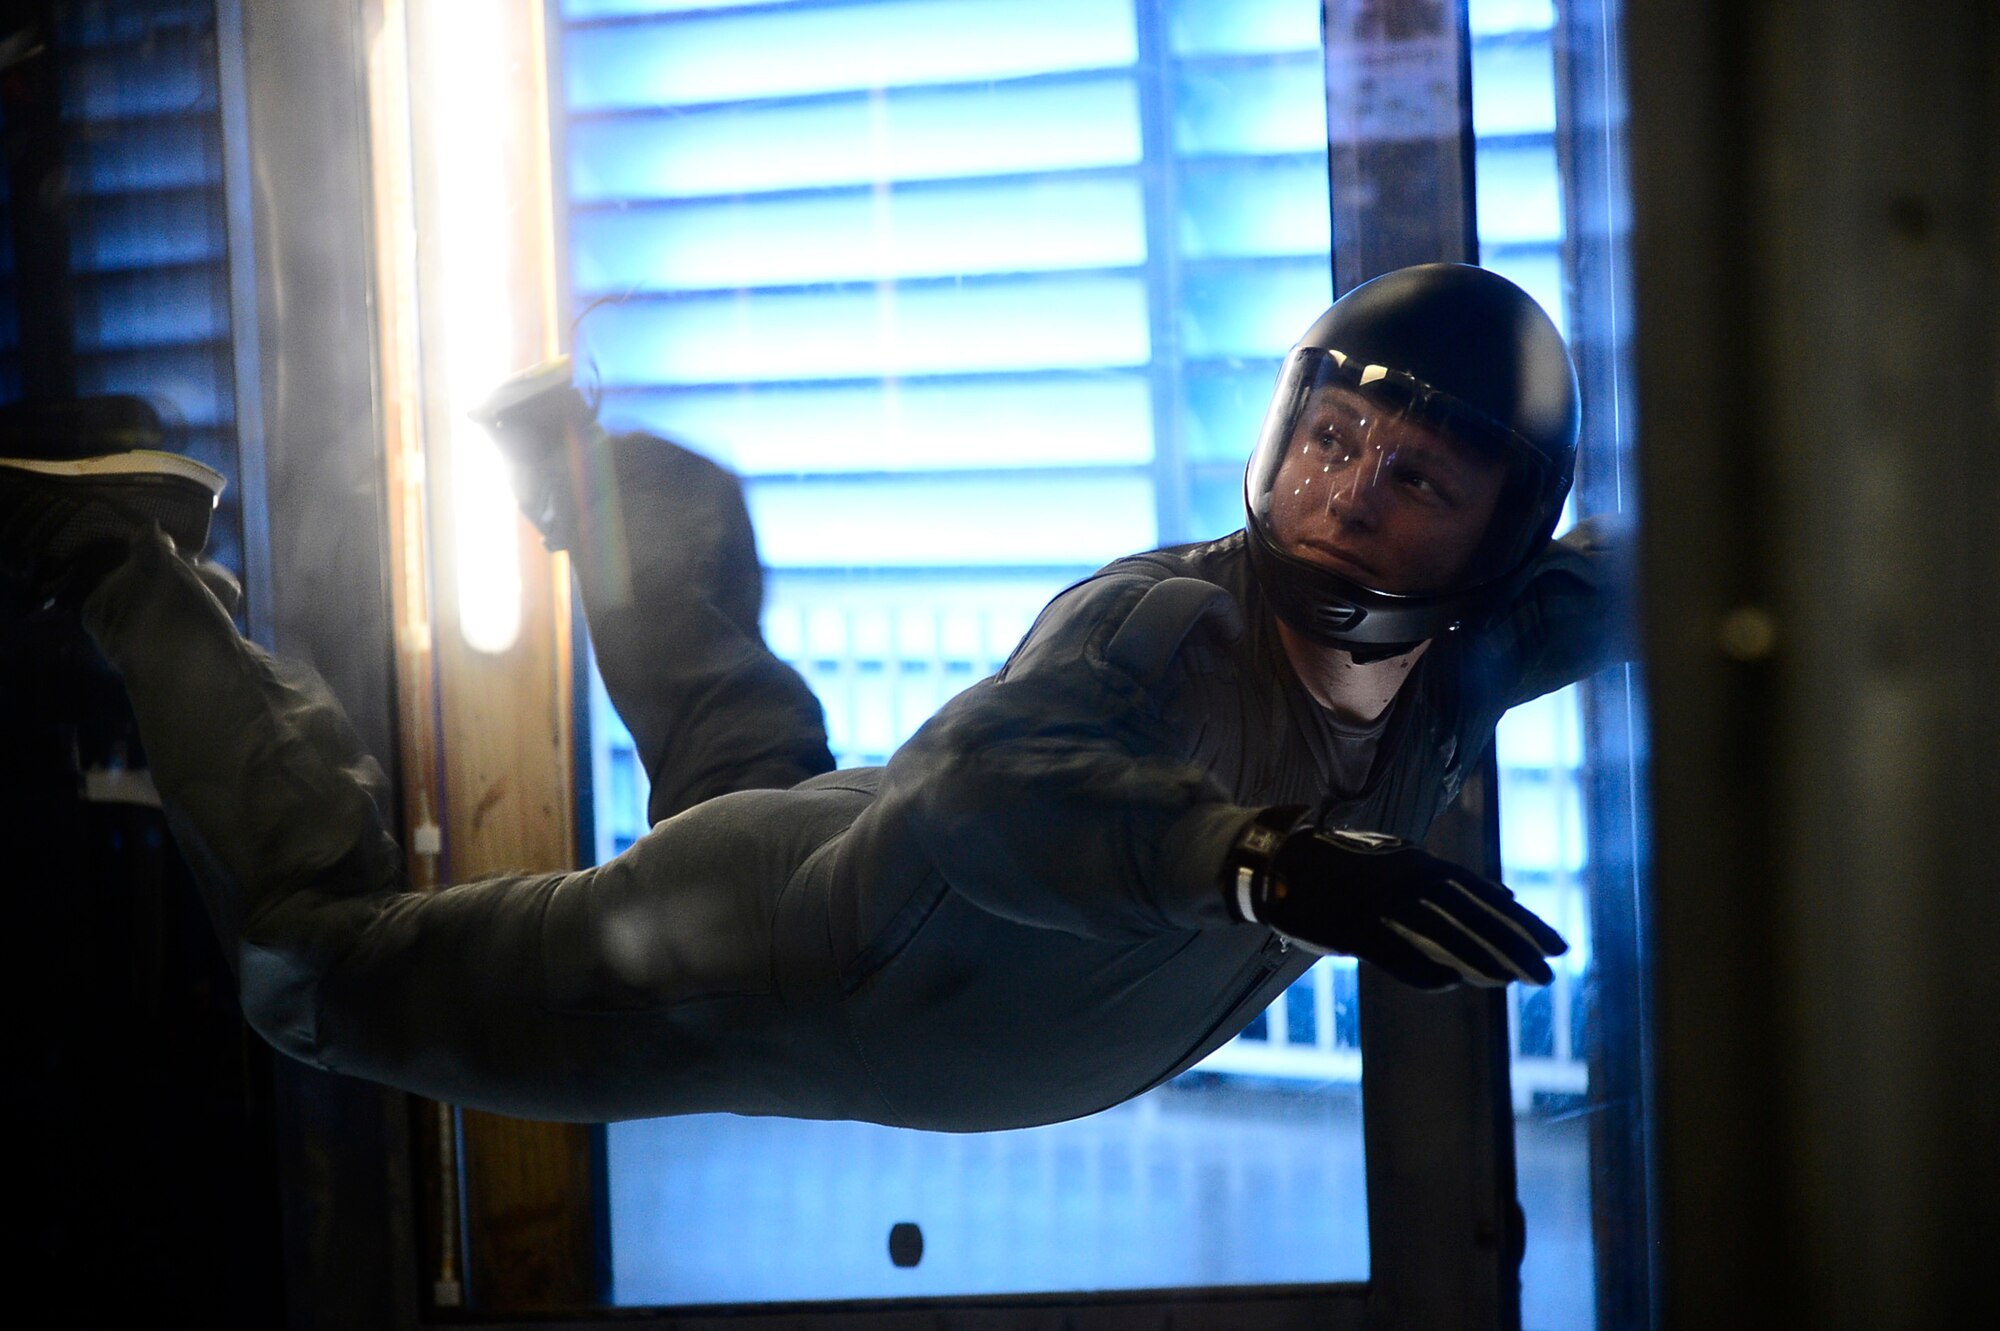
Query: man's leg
point(646, 985)
point(666, 563)
point(693, 973)
point(667, 566)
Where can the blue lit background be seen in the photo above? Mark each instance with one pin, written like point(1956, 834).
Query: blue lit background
point(977, 296)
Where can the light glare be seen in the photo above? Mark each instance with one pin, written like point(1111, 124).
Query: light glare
point(471, 91)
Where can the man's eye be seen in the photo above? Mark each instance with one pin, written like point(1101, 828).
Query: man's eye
point(1337, 442)
point(1422, 484)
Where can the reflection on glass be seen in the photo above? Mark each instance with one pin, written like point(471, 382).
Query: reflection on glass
point(976, 296)
point(1539, 747)
point(1569, 762)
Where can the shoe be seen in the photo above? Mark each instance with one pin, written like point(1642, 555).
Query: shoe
point(52, 513)
point(540, 422)
point(541, 396)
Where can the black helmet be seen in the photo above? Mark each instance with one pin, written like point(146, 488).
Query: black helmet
point(1442, 368)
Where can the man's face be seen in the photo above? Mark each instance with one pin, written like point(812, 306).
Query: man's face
point(1381, 498)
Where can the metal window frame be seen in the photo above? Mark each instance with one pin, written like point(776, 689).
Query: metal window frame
point(1591, 121)
point(292, 106)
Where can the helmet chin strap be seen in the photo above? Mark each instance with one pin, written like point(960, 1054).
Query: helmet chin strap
point(1330, 609)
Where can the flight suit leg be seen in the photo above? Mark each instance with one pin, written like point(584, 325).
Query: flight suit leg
point(666, 564)
point(645, 985)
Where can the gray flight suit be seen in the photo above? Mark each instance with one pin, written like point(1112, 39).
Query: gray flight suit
point(1017, 920)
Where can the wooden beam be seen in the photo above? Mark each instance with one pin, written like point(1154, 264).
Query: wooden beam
point(488, 742)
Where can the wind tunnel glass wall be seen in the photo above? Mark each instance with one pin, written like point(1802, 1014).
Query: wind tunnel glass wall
point(976, 296)
point(1573, 766)
point(1539, 746)
point(973, 314)
point(1547, 111)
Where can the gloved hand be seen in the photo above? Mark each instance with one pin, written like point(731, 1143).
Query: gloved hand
point(1426, 921)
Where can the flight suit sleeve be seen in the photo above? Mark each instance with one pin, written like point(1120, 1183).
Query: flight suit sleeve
point(1059, 793)
point(1574, 616)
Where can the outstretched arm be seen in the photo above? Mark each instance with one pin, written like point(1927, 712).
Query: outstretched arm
point(1574, 617)
point(1058, 795)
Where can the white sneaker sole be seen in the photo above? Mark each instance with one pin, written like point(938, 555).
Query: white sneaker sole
point(523, 388)
point(138, 462)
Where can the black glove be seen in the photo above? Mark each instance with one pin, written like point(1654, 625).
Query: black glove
point(1424, 920)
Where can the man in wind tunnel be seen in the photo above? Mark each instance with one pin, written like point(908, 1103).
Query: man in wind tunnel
point(1195, 774)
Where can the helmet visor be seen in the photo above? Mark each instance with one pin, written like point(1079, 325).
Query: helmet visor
point(1370, 474)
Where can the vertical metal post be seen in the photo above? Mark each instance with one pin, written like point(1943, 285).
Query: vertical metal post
point(1399, 136)
point(297, 111)
point(1591, 126)
point(1444, 1223)
point(239, 191)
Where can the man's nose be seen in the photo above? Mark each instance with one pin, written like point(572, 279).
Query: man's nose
point(1354, 498)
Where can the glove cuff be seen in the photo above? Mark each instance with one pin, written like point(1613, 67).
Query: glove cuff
point(1246, 868)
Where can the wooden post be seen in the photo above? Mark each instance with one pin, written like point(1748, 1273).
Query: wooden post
point(487, 743)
